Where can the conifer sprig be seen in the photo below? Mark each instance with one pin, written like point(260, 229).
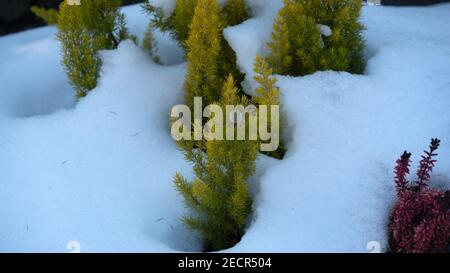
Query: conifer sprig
point(300, 46)
point(83, 31)
point(218, 198)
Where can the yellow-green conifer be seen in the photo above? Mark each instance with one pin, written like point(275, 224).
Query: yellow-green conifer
point(219, 197)
point(203, 54)
point(268, 94)
point(150, 45)
point(50, 16)
point(83, 30)
point(235, 12)
point(281, 54)
point(309, 49)
point(344, 49)
point(182, 18)
point(177, 23)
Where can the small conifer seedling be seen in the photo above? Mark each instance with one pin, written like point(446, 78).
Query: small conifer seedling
point(219, 197)
point(268, 94)
point(203, 54)
point(85, 29)
point(316, 35)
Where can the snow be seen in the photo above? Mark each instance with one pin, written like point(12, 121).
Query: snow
point(167, 6)
point(325, 30)
point(99, 171)
point(170, 52)
point(33, 96)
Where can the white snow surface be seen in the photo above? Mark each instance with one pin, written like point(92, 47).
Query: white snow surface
point(99, 171)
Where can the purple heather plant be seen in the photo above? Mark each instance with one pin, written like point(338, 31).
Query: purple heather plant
point(420, 221)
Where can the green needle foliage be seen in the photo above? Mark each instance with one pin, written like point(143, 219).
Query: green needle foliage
point(182, 18)
point(268, 94)
point(218, 197)
point(344, 50)
point(210, 58)
point(150, 45)
point(280, 58)
point(180, 24)
point(50, 16)
point(85, 29)
point(235, 12)
point(203, 54)
point(177, 24)
point(300, 47)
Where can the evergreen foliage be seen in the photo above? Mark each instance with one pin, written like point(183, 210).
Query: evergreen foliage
point(180, 24)
point(150, 45)
point(268, 94)
point(203, 54)
point(85, 29)
point(177, 24)
point(280, 58)
point(50, 16)
point(210, 58)
point(219, 197)
point(235, 12)
point(299, 45)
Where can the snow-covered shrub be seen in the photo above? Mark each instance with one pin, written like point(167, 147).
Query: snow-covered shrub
point(85, 29)
point(421, 218)
point(219, 197)
point(315, 35)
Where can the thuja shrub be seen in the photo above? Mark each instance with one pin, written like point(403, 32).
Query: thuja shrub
point(218, 197)
point(315, 35)
point(420, 221)
point(83, 31)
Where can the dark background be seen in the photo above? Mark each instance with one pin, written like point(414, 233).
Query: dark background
point(15, 15)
